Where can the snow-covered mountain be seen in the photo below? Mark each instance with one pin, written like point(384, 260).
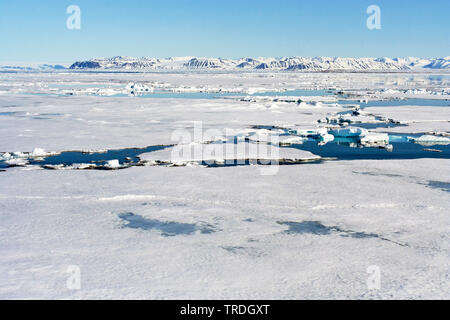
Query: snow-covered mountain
point(318, 64)
point(40, 67)
point(289, 64)
point(443, 63)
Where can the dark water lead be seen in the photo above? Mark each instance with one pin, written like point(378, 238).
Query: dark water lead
point(368, 125)
point(198, 94)
point(341, 148)
point(253, 162)
point(315, 227)
point(127, 157)
point(349, 148)
point(398, 102)
point(215, 95)
point(167, 228)
point(130, 157)
point(9, 113)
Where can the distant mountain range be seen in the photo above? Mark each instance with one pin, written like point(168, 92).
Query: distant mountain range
point(317, 64)
point(278, 64)
point(41, 67)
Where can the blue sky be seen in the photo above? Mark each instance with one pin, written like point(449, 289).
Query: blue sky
point(35, 31)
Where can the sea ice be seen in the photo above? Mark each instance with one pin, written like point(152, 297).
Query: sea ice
point(38, 152)
point(55, 219)
point(113, 164)
point(349, 132)
point(429, 140)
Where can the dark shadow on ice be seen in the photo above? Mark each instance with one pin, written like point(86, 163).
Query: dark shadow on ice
point(249, 251)
point(233, 249)
point(167, 228)
point(444, 186)
point(158, 203)
point(313, 227)
point(379, 174)
point(317, 228)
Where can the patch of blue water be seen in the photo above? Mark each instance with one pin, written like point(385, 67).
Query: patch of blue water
point(379, 125)
point(397, 103)
point(202, 95)
point(350, 149)
point(124, 156)
point(299, 92)
point(215, 95)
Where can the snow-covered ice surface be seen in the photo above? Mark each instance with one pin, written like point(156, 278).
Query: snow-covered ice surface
point(151, 231)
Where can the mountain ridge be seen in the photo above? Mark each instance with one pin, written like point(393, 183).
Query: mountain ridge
point(297, 64)
point(278, 64)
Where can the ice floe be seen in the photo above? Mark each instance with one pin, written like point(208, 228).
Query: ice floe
point(429, 140)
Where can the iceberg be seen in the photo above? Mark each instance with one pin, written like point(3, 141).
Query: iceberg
point(374, 139)
point(349, 132)
point(287, 141)
point(113, 164)
point(17, 162)
point(5, 156)
point(429, 140)
point(138, 88)
point(325, 138)
point(38, 152)
point(313, 133)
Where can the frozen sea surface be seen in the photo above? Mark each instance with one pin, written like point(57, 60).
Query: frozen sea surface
point(307, 231)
